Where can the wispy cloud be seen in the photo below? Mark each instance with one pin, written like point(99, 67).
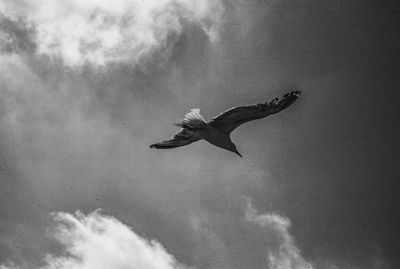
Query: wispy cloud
point(99, 32)
point(284, 254)
point(99, 241)
point(15, 36)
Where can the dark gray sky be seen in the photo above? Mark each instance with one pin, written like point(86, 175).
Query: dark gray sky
point(86, 88)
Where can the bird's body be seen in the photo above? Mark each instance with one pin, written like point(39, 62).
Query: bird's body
point(218, 137)
point(218, 130)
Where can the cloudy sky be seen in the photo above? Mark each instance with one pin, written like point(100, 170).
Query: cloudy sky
point(87, 86)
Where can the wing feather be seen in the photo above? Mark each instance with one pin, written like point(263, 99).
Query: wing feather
point(182, 138)
point(193, 120)
point(234, 117)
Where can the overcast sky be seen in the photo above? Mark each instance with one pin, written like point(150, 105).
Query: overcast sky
point(87, 86)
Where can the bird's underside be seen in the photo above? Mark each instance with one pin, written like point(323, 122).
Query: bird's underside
point(217, 131)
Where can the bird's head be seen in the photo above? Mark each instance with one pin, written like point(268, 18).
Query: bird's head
point(238, 153)
point(234, 149)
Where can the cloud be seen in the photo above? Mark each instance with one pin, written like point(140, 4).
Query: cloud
point(99, 241)
point(100, 32)
point(283, 254)
point(8, 266)
point(15, 36)
point(79, 152)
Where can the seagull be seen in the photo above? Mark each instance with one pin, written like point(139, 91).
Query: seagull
point(218, 130)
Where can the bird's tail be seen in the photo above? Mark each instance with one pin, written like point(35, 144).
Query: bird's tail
point(193, 119)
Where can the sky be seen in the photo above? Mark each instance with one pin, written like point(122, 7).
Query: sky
point(87, 86)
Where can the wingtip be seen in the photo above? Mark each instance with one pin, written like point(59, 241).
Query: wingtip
point(295, 93)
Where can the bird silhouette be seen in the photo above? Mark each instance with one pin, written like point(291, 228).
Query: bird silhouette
point(218, 130)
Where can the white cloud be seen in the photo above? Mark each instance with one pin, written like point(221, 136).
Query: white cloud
point(96, 241)
point(102, 31)
point(8, 266)
point(284, 254)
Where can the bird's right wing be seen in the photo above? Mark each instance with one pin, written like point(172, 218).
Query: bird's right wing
point(234, 117)
point(183, 138)
point(192, 120)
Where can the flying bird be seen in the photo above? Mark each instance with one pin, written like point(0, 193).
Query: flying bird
point(218, 130)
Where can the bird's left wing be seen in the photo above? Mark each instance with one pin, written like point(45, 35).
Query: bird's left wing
point(234, 117)
point(183, 138)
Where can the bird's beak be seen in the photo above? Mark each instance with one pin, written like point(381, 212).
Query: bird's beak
point(237, 152)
